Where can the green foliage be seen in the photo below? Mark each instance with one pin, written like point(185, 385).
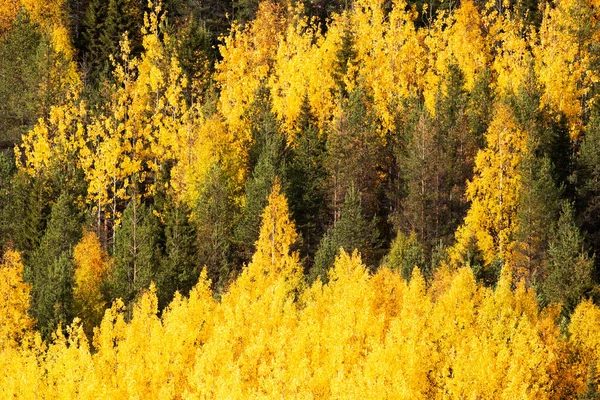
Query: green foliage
point(214, 220)
point(587, 185)
point(136, 254)
point(7, 170)
point(356, 155)
point(405, 254)
point(178, 270)
point(308, 186)
point(538, 209)
point(21, 73)
point(436, 164)
point(352, 231)
point(269, 149)
point(569, 266)
point(51, 267)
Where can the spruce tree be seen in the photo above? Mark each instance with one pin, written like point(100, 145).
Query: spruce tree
point(569, 267)
point(21, 74)
point(356, 154)
point(269, 151)
point(587, 184)
point(136, 255)
point(352, 231)
point(537, 210)
point(179, 265)
point(307, 178)
point(7, 170)
point(214, 220)
point(51, 267)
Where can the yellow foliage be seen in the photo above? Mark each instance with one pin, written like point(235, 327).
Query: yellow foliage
point(91, 268)
point(14, 305)
point(248, 57)
point(358, 336)
point(305, 68)
point(564, 58)
point(491, 221)
point(389, 56)
point(8, 12)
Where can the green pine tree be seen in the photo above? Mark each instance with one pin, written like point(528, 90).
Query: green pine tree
point(352, 231)
point(569, 266)
point(587, 185)
point(269, 151)
point(214, 219)
point(179, 265)
point(51, 267)
point(136, 255)
point(308, 186)
point(538, 209)
point(405, 254)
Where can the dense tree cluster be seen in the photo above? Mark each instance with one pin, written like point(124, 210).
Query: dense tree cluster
point(455, 145)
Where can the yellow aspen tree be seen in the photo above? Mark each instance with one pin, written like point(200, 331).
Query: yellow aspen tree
point(68, 365)
point(455, 38)
point(256, 316)
point(91, 268)
point(305, 69)
point(8, 12)
point(491, 220)
point(585, 333)
point(147, 123)
point(389, 56)
point(53, 141)
point(564, 58)
point(248, 58)
point(513, 63)
point(14, 293)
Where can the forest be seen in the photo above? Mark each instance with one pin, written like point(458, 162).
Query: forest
point(299, 199)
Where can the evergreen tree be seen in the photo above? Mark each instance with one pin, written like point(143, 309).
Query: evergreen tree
point(356, 155)
point(20, 80)
point(569, 266)
point(308, 185)
point(587, 184)
point(269, 152)
point(26, 210)
point(436, 163)
point(136, 254)
point(179, 265)
point(352, 231)
point(7, 170)
point(405, 254)
point(51, 267)
point(214, 219)
point(537, 210)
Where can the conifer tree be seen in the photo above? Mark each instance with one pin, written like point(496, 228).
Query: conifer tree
point(570, 268)
point(136, 254)
point(437, 162)
point(356, 154)
point(308, 186)
point(352, 231)
point(269, 151)
point(179, 269)
point(51, 267)
point(20, 80)
point(7, 170)
point(587, 186)
point(214, 219)
point(537, 211)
